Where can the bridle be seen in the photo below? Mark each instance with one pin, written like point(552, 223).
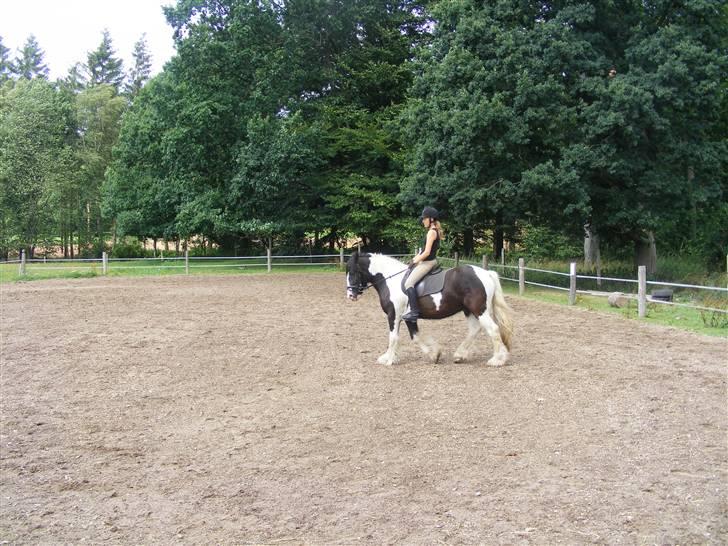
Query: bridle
point(361, 287)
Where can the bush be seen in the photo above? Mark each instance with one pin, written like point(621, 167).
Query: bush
point(541, 243)
point(129, 250)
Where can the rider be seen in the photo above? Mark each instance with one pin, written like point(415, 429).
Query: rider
point(425, 261)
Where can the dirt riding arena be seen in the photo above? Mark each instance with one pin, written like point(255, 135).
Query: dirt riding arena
point(251, 409)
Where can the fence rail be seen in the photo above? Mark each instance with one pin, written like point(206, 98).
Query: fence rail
point(642, 283)
point(313, 260)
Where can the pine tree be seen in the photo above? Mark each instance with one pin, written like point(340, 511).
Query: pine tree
point(76, 80)
point(139, 74)
point(29, 63)
point(103, 66)
point(6, 67)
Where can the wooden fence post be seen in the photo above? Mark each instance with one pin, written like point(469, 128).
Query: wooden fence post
point(521, 276)
point(270, 259)
point(22, 262)
point(503, 256)
point(457, 259)
point(485, 261)
point(341, 257)
point(104, 263)
point(642, 291)
point(572, 283)
point(187, 262)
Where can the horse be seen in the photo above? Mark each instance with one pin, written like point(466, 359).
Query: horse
point(474, 291)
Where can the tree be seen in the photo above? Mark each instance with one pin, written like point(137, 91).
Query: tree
point(6, 66)
point(103, 67)
point(515, 114)
point(489, 103)
point(142, 191)
point(29, 62)
point(139, 73)
point(34, 140)
point(76, 79)
point(98, 114)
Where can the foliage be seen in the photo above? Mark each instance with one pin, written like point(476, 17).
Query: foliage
point(514, 113)
point(34, 154)
point(6, 67)
point(103, 67)
point(140, 72)
point(29, 63)
point(542, 243)
point(314, 123)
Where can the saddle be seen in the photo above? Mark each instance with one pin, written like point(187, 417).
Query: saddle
point(432, 283)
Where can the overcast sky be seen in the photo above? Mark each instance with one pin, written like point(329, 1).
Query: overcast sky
point(68, 29)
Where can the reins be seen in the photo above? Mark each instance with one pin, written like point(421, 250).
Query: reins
point(366, 287)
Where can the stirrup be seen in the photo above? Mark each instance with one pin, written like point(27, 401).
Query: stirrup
point(412, 316)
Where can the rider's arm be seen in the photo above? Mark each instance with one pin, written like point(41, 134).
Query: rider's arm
point(431, 236)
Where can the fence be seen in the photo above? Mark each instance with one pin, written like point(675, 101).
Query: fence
point(185, 262)
point(512, 273)
point(517, 274)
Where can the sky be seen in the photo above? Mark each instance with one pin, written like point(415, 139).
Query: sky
point(68, 29)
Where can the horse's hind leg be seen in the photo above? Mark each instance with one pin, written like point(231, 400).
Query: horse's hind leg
point(428, 345)
point(500, 352)
point(474, 328)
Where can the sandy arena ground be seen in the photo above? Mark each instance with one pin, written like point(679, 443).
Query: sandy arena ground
point(251, 409)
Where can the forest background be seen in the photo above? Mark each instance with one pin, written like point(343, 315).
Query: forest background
point(306, 123)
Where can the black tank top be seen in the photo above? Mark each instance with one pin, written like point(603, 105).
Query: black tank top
point(433, 250)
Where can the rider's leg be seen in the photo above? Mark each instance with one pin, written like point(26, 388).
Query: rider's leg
point(418, 273)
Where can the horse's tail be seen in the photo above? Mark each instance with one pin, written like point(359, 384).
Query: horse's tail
point(502, 313)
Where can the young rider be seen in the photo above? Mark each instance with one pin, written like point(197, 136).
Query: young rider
point(425, 261)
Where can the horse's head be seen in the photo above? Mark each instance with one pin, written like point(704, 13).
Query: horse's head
point(357, 275)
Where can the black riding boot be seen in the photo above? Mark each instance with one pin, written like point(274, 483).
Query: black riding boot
point(414, 312)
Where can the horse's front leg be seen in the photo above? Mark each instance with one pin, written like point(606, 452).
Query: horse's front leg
point(391, 357)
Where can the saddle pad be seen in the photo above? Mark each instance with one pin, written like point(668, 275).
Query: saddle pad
point(431, 284)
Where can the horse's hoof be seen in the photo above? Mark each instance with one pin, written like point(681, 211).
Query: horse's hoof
point(496, 362)
point(385, 360)
point(459, 358)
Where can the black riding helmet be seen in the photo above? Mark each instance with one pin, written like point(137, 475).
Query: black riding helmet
point(429, 212)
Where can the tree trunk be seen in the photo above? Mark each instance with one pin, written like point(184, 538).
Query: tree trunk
point(498, 235)
point(468, 242)
point(100, 233)
point(89, 236)
point(592, 255)
point(646, 253)
point(693, 206)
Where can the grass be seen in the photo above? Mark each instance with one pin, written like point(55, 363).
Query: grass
point(694, 320)
point(133, 268)
point(713, 324)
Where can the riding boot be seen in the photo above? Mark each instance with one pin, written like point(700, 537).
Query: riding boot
point(414, 312)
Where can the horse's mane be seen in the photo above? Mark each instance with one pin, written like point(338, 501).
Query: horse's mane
point(392, 265)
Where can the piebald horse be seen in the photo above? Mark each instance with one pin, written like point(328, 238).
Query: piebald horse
point(470, 289)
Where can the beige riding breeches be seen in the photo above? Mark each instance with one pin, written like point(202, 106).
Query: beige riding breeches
point(419, 272)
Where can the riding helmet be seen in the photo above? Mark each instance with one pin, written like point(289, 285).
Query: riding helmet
point(429, 212)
